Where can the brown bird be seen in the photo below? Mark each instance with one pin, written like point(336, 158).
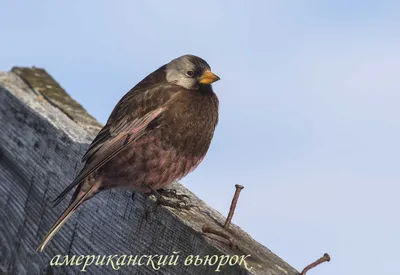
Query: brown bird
point(157, 133)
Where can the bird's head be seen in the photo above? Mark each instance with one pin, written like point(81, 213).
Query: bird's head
point(190, 72)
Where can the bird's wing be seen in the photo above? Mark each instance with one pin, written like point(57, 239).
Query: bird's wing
point(127, 133)
point(127, 123)
point(146, 96)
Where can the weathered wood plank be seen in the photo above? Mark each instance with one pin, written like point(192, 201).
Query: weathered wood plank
point(42, 83)
point(40, 149)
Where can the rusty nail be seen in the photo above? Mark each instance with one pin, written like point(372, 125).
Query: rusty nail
point(209, 229)
point(325, 258)
point(233, 205)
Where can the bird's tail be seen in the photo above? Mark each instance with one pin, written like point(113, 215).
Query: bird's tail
point(81, 197)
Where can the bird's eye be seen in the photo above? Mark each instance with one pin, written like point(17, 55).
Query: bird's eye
point(190, 73)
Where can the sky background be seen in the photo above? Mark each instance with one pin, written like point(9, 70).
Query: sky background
point(309, 107)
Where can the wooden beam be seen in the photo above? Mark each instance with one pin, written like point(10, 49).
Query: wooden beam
point(40, 149)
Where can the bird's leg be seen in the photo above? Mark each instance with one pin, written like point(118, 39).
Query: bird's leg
point(171, 193)
point(160, 200)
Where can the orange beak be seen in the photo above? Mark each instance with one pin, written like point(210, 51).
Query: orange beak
point(208, 77)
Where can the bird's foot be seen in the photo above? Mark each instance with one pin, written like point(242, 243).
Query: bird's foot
point(176, 204)
point(169, 198)
point(171, 193)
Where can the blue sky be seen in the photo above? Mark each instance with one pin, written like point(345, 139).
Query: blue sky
point(309, 115)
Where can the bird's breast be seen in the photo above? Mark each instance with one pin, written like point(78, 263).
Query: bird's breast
point(149, 160)
point(189, 124)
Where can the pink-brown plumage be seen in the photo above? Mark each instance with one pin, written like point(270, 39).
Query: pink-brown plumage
point(157, 133)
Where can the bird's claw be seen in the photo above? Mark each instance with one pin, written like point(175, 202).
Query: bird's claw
point(179, 204)
point(171, 193)
point(169, 198)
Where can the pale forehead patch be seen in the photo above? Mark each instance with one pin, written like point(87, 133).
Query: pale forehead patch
point(190, 61)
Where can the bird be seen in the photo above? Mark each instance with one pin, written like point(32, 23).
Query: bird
point(157, 133)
